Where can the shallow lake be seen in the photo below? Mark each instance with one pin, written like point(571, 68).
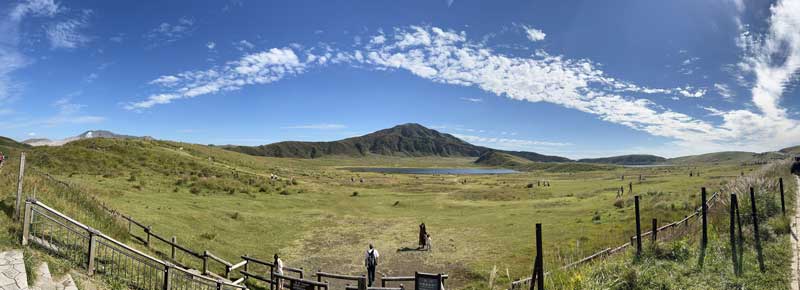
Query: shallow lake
point(456, 171)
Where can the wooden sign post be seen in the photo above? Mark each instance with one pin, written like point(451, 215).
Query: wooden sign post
point(424, 281)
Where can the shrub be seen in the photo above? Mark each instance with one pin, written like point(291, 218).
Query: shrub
point(355, 193)
point(596, 217)
point(208, 236)
point(284, 192)
point(619, 203)
point(194, 190)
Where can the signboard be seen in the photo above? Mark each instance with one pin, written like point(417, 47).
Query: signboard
point(424, 281)
point(300, 285)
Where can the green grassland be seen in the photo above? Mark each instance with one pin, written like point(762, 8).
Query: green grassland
point(316, 218)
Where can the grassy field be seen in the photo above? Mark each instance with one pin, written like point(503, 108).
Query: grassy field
point(316, 218)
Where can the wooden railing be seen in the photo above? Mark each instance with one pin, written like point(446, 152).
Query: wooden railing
point(100, 254)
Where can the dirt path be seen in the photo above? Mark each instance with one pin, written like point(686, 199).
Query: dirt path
point(795, 249)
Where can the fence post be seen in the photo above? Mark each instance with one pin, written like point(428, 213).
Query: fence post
point(167, 271)
point(362, 283)
point(26, 223)
point(638, 227)
point(538, 266)
point(733, 235)
point(755, 230)
point(705, 217)
point(174, 241)
point(91, 254)
point(780, 185)
point(219, 284)
point(147, 230)
point(704, 237)
point(655, 231)
point(19, 185)
point(205, 262)
point(740, 240)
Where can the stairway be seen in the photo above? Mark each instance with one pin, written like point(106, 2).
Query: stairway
point(45, 281)
point(14, 277)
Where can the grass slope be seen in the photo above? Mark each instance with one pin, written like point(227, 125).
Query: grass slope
point(317, 218)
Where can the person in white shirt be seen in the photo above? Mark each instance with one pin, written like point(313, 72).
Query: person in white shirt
point(278, 269)
point(371, 262)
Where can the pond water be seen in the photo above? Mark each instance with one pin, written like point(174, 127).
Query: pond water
point(456, 171)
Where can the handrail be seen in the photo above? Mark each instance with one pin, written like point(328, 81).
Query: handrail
point(257, 277)
point(399, 279)
point(218, 259)
point(337, 276)
point(124, 246)
point(315, 283)
point(176, 245)
point(272, 265)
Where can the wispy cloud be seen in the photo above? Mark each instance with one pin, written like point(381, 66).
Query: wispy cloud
point(67, 112)
point(257, 68)
point(509, 143)
point(472, 100)
point(11, 58)
point(211, 45)
point(724, 91)
point(67, 33)
point(243, 45)
point(166, 32)
point(317, 127)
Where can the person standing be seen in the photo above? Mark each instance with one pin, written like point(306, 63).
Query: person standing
point(427, 242)
point(278, 269)
point(371, 262)
point(422, 232)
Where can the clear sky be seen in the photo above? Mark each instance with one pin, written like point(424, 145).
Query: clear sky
point(571, 78)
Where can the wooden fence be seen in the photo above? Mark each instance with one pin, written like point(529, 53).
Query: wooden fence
point(518, 284)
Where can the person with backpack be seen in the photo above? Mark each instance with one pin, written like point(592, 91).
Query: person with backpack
point(371, 261)
point(422, 232)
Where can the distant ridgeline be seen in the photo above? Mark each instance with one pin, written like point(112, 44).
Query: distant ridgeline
point(407, 140)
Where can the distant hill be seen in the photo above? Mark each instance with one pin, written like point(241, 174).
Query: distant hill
point(85, 135)
point(636, 159)
point(727, 157)
point(412, 140)
point(502, 159)
point(791, 150)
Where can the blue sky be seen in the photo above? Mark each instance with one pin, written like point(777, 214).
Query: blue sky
point(571, 78)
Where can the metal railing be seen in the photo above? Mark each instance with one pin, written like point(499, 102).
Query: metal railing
point(100, 254)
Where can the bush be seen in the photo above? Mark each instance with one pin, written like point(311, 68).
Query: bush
point(355, 193)
point(194, 190)
point(284, 192)
point(596, 217)
point(619, 203)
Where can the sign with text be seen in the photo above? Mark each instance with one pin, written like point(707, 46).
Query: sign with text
point(424, 281)
point(300, 285)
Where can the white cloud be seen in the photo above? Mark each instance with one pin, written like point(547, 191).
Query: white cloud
point(66, 34)
point(66, 113)
point(534, 34)
point(166, 33)
point(119, 38)
point(91, 77)
point(256, 68)
point(724, 91)
point(317, 127)
point(243, 45)
point(11, 58)
point(473, 100)
point(211, 45)
point(447, 57)
point(509, 143)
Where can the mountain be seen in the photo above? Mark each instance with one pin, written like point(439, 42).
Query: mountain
point(409, 140)
point(635, 159)
point(85, 135)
